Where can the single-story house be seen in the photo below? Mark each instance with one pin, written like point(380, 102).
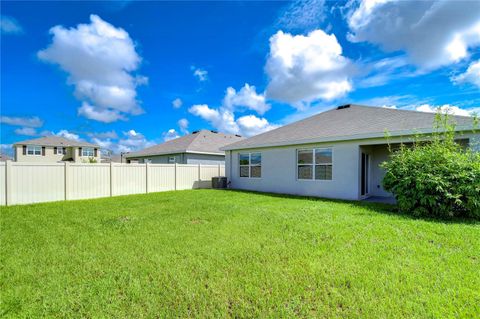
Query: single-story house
point(55, 149)
point(334, 154)
point(199, 147)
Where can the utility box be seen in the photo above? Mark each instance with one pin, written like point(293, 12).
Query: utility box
point(219, 182)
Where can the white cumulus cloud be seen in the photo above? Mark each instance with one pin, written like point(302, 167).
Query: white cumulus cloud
point(177, 103)
point(171, 134)
point(100, 61)
point(130, 141)
point(224, 120)
point(446, 108)
point(68, 135)
point(107, 134)
point(33, 121)
point(200, 74)
point(99, 114)
point(302, 15)
point(303, 69)
point(250, 125)
point(433, 33)
point(28, 131)
point(247, 97)
point(9, 25)
point(6, 149)
point(183, 125)
point(471, 75)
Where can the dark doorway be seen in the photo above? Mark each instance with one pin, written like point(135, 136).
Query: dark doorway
point(364, 188)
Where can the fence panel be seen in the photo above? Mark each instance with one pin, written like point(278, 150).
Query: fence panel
point(3, 188)
point(88, 181)
point(222, 170)
point(24, 183)
point(34, 183)
point(187, 176)
point(206, 174)
point(161, 177)
point(129, 179)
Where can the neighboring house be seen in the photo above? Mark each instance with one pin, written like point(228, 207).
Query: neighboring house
point(4, 158)
point(333, 154)
point(200, 147)
point(55, 149)
point(108, 157)
point(114, 158)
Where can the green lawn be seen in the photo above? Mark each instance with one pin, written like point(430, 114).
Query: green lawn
point(207, 253)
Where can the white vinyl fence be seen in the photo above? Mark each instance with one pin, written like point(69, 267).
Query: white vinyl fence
point(25, 183)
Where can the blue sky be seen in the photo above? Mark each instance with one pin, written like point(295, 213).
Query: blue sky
point(127, 75)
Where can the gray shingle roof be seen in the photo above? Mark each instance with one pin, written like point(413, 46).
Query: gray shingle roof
point(54, 140)
point(349, 123)
point(203, 141)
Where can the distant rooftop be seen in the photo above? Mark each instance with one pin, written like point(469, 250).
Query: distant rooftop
point(4, 157)
point(203, 141)
point(348, 122)
point(54, 140)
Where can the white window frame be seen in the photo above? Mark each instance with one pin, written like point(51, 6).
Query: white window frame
point(171, 160)
point(33, 149)
point(63, 150)
point(250, 165)
point(86, 151)
point(314, 164)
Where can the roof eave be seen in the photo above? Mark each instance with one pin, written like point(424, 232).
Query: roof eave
point(58, 145)
point(172, 152)
point(347, 138)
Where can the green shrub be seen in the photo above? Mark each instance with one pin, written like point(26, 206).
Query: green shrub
point(437, 178)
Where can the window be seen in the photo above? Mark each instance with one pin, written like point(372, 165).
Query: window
point(171, 159)
point(250, 165)
point(61, 150)
point(34, 150)
point(88, 151)
point(315, 164)
point(147, 161)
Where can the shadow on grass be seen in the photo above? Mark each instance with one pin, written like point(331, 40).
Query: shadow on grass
point(381, 208)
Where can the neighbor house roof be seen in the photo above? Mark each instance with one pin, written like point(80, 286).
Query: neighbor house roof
point(4, 157)
point(349, 122)
point(54, 140)
point(202, 142)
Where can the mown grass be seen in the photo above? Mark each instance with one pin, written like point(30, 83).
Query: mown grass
point(207, 253)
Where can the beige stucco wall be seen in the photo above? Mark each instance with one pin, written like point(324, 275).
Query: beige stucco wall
point(50, 156)
point(279, 172)
point(279, 169)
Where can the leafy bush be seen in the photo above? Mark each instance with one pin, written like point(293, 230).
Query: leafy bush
point(90, 160)
point(437, 178)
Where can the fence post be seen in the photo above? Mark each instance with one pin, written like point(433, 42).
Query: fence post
point(218, 169)
point(8, 183)
point(111, 179)
point(147, 172)
point(199, 176)
point(175, 176)
point(67, 180)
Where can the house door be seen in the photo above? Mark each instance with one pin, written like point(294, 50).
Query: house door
point(365, 180)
